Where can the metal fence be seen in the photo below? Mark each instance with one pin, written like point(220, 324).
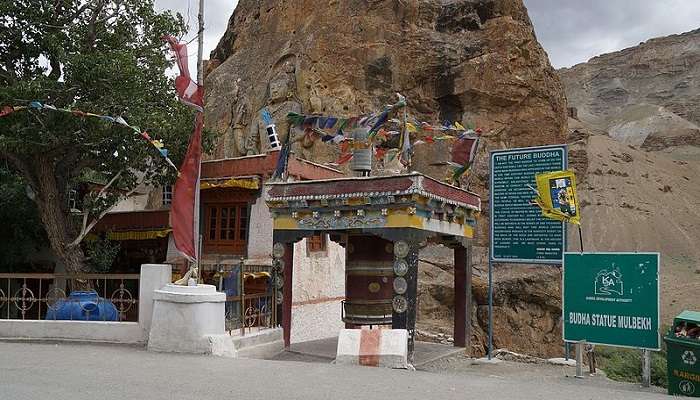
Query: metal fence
point(93, 297)
point(250, 297)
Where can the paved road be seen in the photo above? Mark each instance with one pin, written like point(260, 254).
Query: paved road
point(90, 372)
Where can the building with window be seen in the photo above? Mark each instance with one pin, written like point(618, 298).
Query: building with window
point(236, 240)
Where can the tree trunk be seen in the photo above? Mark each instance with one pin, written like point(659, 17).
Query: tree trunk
point(53, 209)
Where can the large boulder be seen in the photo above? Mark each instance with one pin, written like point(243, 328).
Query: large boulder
point(527, 306)
point(466, 60)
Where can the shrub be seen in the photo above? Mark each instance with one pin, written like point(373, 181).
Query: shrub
point(625, 365)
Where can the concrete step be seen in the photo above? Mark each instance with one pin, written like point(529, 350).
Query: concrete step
point(263, 344)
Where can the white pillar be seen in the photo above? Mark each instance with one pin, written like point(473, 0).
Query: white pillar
point(153, 277)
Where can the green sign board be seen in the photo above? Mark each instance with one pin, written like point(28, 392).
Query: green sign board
point(519, 232)
point(612, 298)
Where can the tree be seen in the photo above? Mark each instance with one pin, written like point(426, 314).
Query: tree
point(100, 56)
point(21, 234)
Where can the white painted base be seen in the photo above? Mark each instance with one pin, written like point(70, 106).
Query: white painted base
point(79, 331)
point(260, 345)
point(486, 361)
point(190, 319)
point(391, 351)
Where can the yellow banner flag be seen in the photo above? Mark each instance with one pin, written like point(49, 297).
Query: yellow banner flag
point(556, 196)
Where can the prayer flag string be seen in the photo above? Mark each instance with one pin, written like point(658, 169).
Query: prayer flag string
point(36, 105)
point(464, 139)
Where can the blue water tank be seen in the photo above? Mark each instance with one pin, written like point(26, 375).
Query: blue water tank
point(83, 306)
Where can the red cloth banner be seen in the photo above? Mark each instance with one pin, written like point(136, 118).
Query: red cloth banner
point(189, 91)
point(182, 210)
point(463, 151)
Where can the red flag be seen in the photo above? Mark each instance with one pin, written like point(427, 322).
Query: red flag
point(189, 91)
point(182, 210)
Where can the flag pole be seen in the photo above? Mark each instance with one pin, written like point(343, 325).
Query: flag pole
point(200, 82)
point(200, 43)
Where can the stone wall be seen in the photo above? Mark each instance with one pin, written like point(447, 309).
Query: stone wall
point(318, 288)
point(260, 231)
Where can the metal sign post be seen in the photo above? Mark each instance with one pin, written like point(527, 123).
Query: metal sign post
point(646, 368)
point(579, 359)
point(490, 308)
point(518, 233)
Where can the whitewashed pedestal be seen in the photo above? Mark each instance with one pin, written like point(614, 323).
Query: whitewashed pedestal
point(190, 319)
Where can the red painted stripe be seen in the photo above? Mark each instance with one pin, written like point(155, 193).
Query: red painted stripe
point(318, 301)
point(370, 343)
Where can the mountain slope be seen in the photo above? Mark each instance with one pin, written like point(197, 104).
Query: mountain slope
point(647, 95)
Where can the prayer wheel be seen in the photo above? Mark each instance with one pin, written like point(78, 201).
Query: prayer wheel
point(361, 162)
point(369, 279)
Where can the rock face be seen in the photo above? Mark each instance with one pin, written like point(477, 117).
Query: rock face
point(466, 60)
point(527, 306)
point(647, 96)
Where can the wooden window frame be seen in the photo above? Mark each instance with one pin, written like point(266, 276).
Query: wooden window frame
point(224, 238)
point(167, 195)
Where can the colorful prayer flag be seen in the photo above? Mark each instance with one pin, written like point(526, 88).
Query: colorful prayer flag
point(464, 151)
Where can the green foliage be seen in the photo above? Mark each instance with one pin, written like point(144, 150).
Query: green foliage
point(101, 56)
point(101, 254)
point(21, 234)
point(105, 57)
point(626, 365)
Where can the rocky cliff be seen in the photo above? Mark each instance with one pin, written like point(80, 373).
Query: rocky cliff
point(466, 60)
point(647, 96)
point(527, 306)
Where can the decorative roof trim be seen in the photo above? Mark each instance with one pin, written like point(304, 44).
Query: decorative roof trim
point(415, 188)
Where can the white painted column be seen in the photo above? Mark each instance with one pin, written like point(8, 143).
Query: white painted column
point(153, 277)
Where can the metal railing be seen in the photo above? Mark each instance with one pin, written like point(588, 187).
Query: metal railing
point(93, 297)
point(248, 307)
